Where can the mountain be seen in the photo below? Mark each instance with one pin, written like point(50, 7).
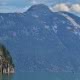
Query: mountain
point(42, 40)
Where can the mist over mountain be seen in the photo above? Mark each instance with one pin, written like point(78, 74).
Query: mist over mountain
point(42, 40)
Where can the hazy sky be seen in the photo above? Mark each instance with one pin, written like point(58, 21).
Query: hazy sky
point(17, 5)
point(22, 3)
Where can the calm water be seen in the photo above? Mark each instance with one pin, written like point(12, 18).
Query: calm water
point(41, 76)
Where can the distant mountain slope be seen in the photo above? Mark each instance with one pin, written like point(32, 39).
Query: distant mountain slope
point(42, 40)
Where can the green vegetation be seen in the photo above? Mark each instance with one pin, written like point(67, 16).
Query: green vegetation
point(6, 62)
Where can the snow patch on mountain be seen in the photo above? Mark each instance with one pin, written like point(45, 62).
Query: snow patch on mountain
point(46, 27)
point(69, 28)
point(2, 17)
point(75, 32)
point(36, 16)
point(71, 20)
point(54, 28)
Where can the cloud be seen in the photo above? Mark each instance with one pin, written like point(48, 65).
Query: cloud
point(66, 7)
point(75, 7)
point(12, 9)
point(61, 7)
point(3, 2)
point(48, 2)
point(34, 2)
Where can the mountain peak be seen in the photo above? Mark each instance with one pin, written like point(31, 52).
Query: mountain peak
point(39, 10)
point(39, 7)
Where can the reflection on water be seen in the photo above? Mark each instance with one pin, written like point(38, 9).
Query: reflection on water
point(6, 77)
point(41, 76)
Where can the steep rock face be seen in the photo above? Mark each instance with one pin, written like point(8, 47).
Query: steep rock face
point(41, 40)
point(6, 60)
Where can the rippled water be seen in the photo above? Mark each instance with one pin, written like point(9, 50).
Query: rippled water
point(41, 76)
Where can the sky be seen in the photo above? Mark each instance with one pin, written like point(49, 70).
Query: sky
point(7, 6)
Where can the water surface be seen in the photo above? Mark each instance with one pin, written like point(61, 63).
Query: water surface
point(41, 76)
